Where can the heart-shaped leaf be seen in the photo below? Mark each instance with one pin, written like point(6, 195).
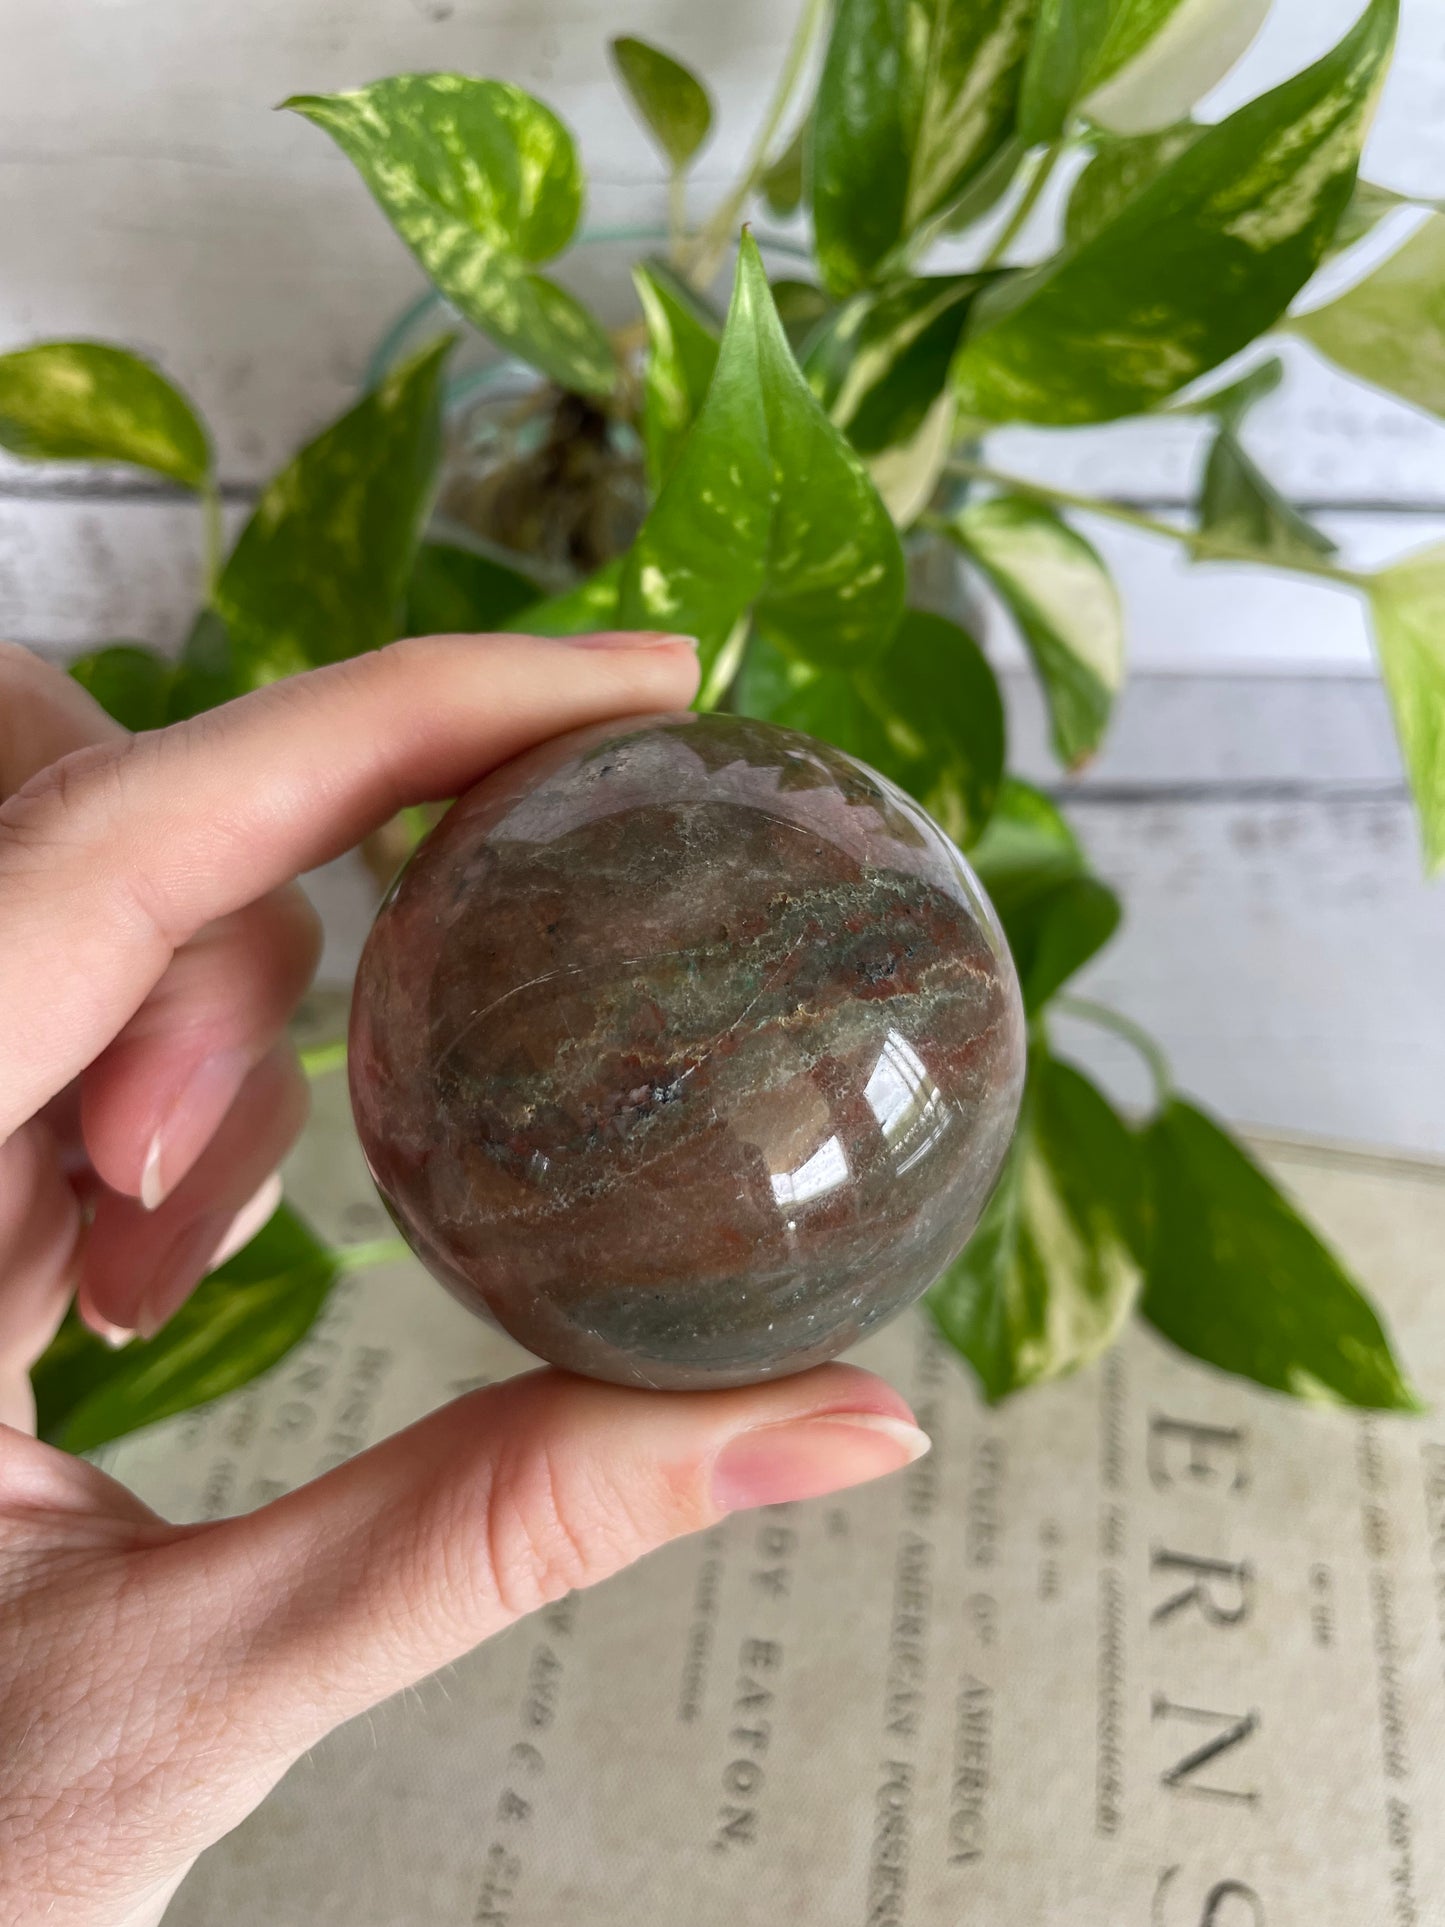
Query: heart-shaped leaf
point(1407, 602)
point(239, 1322)
point(1050, 1275)
point(481, 181)
point(1054, 925)
point(682, 350)
point(1190, 269)
point(1389, 329)
point(927, 713)
point(1026, 841)
point(1063, 598)
point(914, 100)
point(1136, 65)
point(1237, 1278)
point(1237, 500)
point(81, 401)
point(883, 359)
point(321, 568)
point(766, 508)
point(782, 183)
point(671, 100)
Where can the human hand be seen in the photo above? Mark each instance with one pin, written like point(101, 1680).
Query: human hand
point(157, 1680)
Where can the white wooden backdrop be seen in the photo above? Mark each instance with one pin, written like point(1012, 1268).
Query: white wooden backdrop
point(1280, 937)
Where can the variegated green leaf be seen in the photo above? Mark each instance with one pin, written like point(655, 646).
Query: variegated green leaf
point(883, 359)
point(81, 401)
point(1237, 500)
point(915, 98)
point(1120, 169)
point(320, 570)
point(682, 349)
point(1063, 598)
point(1407, 602)
point(1193, 267)
point(1050, 1275)
point(1389, 329)
point(767, 508)
point(481, 181)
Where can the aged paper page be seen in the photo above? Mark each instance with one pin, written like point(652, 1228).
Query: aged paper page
point(1143, 1647)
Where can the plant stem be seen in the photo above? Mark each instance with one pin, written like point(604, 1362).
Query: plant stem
point(377, 1251)
point(1027, 201)
point(1209, 548)
point(709, 245)
point(1132, 1033)
point(676, 214)
point(215, 535)
point(321, 1058)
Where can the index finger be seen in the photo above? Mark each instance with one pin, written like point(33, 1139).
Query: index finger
point(113, 857)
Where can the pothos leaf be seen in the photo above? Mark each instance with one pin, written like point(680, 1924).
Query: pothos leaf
point(926, 713)
point(883, 359)
point(682, 350)
point(1120, 168)
point(1237, 501)
point(1190, 269)
point(238, 1322)
point(1063, 598)
point(481, 181)
point(782, 183)
point(671, 100)
point(1025, 841)
point(1133, 65)
point(591, 604)
point(129, 681)
point(321, 568)
point(82, 401)
point(460, 591)
point(1237, 1278)
point(766, 508)
point(914, 100)
point(1389, 329)
point(1407, 602)
point(1048, 1278)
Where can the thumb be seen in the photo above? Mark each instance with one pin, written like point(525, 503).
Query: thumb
point(406, 1557)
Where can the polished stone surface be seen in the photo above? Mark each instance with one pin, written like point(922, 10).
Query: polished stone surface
point(688, 1049)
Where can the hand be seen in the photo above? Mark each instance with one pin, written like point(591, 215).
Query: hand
point(156, 1680)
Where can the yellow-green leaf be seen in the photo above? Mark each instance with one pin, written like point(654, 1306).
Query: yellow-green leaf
point(481, 181)
point(766, 508)
point(1192, 268)
point(1047, 1280)
point(915, 99)
point(320, 570)
point(81, 401)
point(671, 100)
point(1057, 589)
point(1407, 602)
point(682, 350)
point(1389, 329)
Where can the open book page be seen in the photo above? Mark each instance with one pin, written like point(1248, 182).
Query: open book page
point(1147, 1646)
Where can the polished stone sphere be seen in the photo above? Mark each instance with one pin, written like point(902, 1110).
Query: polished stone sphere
point(687, 1048)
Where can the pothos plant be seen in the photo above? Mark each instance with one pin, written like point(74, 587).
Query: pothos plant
point(793, 461)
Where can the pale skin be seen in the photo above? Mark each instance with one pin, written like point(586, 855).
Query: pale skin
point(157, 1680)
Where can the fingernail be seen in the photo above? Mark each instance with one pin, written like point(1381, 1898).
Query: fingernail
point(116, 1336)
point(628, 639)
point(180, 1270)
point(806, 1457)
point(184, 1131)
point(249, 1220)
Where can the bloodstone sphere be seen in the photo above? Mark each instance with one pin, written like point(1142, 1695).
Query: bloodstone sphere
point(687, 1049)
